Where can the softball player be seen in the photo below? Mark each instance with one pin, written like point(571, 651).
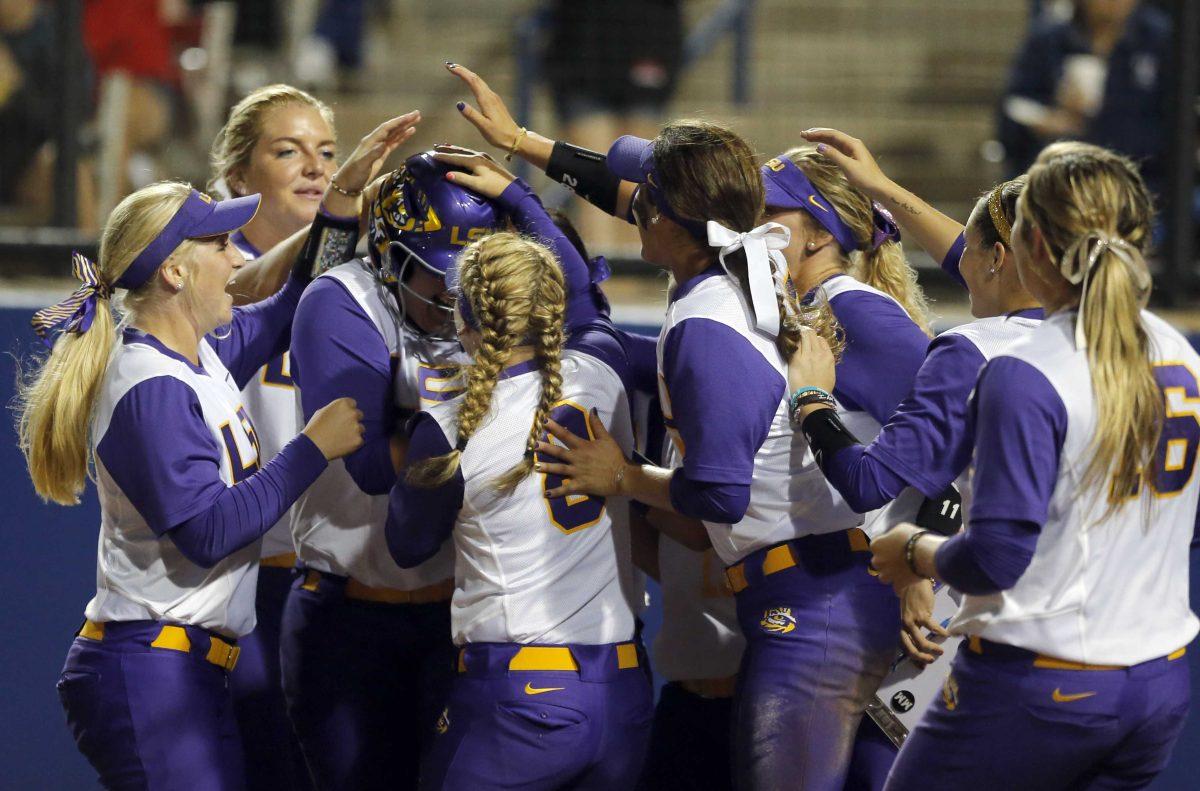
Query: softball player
point(365, 646)
point(549, 692)
point(184, 494)
point(770, 516)
point(278, 142)
point(1075, 562)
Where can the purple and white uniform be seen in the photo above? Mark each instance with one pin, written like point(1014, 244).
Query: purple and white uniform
point(273, 757)
point(1077, 615)
point(185, 500)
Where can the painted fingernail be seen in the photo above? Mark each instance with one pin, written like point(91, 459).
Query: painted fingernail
point(451, 64)
point(537, 466)
point(460, 106)
point(821, 147)
point(449, 177)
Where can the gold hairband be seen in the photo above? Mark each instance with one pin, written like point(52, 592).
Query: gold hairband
point(998, 218)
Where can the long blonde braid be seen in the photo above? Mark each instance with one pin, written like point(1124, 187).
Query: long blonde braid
point(514, 287)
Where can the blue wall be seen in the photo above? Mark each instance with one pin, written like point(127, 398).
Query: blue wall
point(49, 571)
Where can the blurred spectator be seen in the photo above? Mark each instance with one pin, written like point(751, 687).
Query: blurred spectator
point(612, 66)
point(333, 55)
point(29, 96)
point(135, 37)
point(1100, 76)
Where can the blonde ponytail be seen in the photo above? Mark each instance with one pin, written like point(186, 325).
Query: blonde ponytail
point(55, 405)
point(1093, 210)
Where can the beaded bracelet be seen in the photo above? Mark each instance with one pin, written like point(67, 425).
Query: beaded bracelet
point(910, 550)
point(345, 192)
point(804, 397)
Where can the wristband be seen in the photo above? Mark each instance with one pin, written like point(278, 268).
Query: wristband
point(805, 396)
point(585, 173)
point(826, 434)
point(910, 549)
point(330, 241)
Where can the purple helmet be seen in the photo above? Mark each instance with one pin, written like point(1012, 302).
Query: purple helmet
point(420, 217)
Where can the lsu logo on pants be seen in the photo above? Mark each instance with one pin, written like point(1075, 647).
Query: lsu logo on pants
point(778, 620)
point(443, 722)
point(950, 693)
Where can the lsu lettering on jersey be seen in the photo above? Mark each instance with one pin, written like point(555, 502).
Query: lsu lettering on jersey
point(1099, 590)
point(140, 575)
point(789, 496)
point(338, 528)
point(273, 403)
point(529, 569)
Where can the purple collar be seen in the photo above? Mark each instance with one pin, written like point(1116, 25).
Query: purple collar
point(242, 243)
point(134, 335)
point(689, 285)
point(517, 369)
point(199, 217)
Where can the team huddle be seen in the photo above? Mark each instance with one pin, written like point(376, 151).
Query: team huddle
point(387, 521)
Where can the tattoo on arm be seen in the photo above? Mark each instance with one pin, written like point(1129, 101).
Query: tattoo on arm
point(908, 207)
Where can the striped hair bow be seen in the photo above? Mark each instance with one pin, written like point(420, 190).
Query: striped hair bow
point(76, 312)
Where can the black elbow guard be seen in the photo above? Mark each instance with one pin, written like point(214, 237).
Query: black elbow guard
point(330, 242)
point(586, 174)
point(942, 514)
point(826, 435)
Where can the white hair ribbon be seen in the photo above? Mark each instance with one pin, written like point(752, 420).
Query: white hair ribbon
point(1074, 275)
point(762, 246)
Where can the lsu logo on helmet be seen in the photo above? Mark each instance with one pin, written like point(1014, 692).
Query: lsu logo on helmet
point(778, 620)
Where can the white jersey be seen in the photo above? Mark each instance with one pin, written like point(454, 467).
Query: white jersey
point(1104, 590)
point(990, 336)
point(789, 496)
point(528, 569)
point(273, 403)
point(699, 637)
point(338, 528)
point(140, 576)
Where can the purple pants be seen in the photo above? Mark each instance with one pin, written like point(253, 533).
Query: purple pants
point(1002, 723)
point(151, 718)
point(541, 729)
point(819, 638)
point(364, 684)
point(272, 752)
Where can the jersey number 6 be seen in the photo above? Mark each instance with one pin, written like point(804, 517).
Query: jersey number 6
point(575, 511)
point(1175, 460)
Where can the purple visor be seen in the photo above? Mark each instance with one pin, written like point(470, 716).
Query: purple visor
point(788, 188)
point(632, 159)
point(199, 217)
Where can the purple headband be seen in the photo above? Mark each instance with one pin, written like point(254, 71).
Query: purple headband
point(632, 159)
point(198, 217)
point(788, 188)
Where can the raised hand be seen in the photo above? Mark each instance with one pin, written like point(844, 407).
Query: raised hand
point(477, 171)
point(492, 119)
point(852, 156)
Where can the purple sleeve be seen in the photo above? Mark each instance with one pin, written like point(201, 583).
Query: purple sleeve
point(988, 557)
point(642, 351)
point(950, 262)
point(1019, 424)
point(258, 332)
point(712, 502)
point(530, 217)
point(420, 520)
point(723, 396)
point(337, 352)
point(862, 481)
point(242, 514)
point(927, 441)
point(884, 350)
point(162, 455)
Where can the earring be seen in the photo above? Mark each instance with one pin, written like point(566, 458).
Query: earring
point(654, 219)
point(179, 286)
point(811, 246)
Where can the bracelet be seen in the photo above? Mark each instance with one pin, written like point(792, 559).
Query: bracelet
point(910, 549)
point(345, 192)
point(516, 144)
point(806, 396)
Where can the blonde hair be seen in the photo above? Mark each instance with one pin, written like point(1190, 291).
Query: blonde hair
point(54, 408)
point(235, 142)
point(884, 267)
point(514, 287)
point(1080, 199)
